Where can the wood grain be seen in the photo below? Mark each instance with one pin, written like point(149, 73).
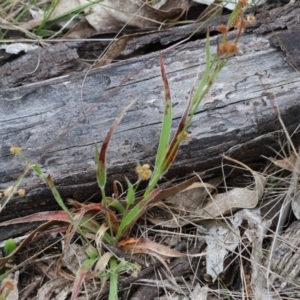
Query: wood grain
point(57, 121)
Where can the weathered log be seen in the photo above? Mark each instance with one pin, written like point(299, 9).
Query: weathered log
point(57, 121)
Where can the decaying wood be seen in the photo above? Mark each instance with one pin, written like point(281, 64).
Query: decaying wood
point(63, 58)
point(57, 121)
point(31, 68)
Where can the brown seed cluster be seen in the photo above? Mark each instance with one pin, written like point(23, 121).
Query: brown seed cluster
point(228, 48)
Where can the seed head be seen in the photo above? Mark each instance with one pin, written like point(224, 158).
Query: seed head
point(185, 135)
point(228, 48)
point(222, 28)
point(15, 150)
point(144, 172)
point(243, 3)
point(232, 48)
point(8, 191)
point(21, 192)
point(251, 20)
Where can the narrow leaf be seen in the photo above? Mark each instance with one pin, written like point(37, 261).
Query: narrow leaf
point(57, 196)
point(60, 216)
point(163, 193)
point(135, 213)
point(177, 139)
point(101, 162)
point(128, 220)
point(167, 121)
point(116, 205)
point(113, 284)
point(40, 216)
point(137, 245)
point(81, 273)
point(164, 134)
point(102, 263)
point(130, 195)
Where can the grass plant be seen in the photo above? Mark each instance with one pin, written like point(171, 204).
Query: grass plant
point(120, 218)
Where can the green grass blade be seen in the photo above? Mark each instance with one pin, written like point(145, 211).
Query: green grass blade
point(101, 169)
point(113, 283)
point(130, 195)
point(9, 247)
point(47, 15)
point(164, 134)
point(70, 13)
point(5, 3)
point(133, 215)
point(117, 205)
point(167, 119)
point(48, 180)
point(101, 172)
point(128, 219)
point(57, 196)
point(81, 273)
point(198, 95)
point(177, 139)
point(101, 162)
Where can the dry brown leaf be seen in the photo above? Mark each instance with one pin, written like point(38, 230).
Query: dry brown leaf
point(111, 15)
point(146, 246)
point(287, 163)
point(164, 194)
point(46, 291)
point(80, 30)
point(40, 216)
point(99, 236)
point(170, 223)
point(225, 203)
point(168, 220)
point(234, 199)
point(255, 232)
point(102, 263)
point(62, 7)
point(187, 197)
point(114, 50)
point(192, 198)
point(220, 239)
point(199, 293)
point(73, 257)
